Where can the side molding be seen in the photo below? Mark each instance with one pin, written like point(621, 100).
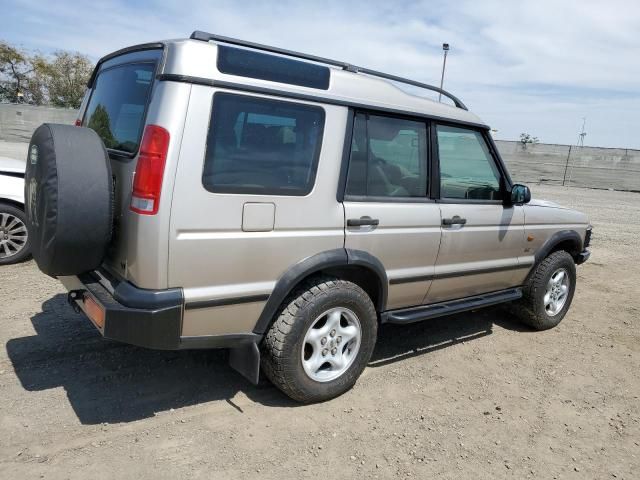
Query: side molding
point(316, 263)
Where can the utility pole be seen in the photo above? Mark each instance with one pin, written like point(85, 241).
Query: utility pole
point(445, 49)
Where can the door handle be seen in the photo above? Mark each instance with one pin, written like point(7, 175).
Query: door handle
point(362, 221)
point(456, 220)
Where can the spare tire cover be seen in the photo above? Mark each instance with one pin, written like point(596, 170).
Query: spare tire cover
point(68, 199)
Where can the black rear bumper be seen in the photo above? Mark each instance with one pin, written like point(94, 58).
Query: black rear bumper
point(146, 318)
point(143, 317)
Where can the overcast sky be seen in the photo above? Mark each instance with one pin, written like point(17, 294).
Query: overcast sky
point(532, 66)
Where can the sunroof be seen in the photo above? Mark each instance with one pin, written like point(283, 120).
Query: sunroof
point(246, 63)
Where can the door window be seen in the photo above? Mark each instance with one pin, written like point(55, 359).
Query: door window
point(262, 146)
point(388, 157)
point(467, 168)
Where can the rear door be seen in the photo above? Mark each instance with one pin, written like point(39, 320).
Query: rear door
point(249, 202)
point(117, 107)
point(482, 239)
point(387, 209)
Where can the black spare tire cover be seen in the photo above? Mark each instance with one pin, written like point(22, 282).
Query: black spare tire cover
point(68, 199)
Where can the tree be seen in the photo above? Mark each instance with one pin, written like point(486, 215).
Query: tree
point(65, 77)
point(525, 139)
point(15, 71)
point(58, 80)
point(100, 123)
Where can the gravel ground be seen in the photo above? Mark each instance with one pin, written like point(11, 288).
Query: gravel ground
point(470, 396)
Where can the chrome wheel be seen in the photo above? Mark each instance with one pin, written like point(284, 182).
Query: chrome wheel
point(557, 292)
point(331, 344)
point(13, 235)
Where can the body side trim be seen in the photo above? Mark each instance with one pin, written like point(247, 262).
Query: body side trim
point(461, 273)
point(225, 301)
point(12, 174)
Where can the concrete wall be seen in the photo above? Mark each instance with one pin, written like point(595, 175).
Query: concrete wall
point(593, 167)
point(17, 122)
point(614, 168)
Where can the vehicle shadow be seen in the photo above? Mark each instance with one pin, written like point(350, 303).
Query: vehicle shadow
point(112, 382)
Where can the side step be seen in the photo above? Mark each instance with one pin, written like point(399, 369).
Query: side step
point(417, 314)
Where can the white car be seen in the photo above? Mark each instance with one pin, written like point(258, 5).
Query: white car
point(14, 239)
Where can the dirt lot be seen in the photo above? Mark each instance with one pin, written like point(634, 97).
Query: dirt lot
point(470, 396)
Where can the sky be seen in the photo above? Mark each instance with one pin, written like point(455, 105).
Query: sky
point(523, 66)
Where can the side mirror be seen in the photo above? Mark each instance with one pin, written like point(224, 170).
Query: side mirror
point(520, 194)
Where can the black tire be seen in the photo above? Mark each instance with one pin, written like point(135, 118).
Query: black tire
point(68, 199)
point(531, 309)
point(7, 254)
point(283, 343)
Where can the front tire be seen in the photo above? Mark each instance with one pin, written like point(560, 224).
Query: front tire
point(549, 291)
point(321, 341)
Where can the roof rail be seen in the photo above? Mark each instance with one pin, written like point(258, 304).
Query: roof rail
point(206, 37)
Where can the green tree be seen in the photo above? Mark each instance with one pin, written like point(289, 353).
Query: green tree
point(15, 71)
point(58, 80)
point(526, 139)
point(99, 122)
point(65, 77)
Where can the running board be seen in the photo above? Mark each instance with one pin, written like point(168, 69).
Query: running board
point(417, 314)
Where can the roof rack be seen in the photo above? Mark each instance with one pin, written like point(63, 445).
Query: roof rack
point(206, 37)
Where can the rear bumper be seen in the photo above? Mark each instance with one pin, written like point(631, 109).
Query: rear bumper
point(142, 317)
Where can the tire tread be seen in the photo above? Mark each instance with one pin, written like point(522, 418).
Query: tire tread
point(529, 310)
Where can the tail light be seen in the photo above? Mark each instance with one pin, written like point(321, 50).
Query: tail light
point(147, 182)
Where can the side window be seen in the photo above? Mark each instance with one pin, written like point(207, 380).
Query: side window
point(388, 157)
point(467, 169)
point(262, 146)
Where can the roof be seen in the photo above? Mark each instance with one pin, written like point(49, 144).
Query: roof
point(195, 61)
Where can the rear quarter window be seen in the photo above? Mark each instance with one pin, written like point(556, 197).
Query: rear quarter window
point(262, 146)
point(246, 63)
point(117, 105)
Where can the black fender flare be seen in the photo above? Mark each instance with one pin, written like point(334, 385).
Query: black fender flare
point(364, 259)
point(316, 263)
point(554, 240)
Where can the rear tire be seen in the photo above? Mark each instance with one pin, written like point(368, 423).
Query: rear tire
point(15, 245)
point(305, 353)
point(549, 291)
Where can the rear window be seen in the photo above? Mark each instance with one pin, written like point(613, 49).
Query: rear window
point(117, 105)
point(262, 146)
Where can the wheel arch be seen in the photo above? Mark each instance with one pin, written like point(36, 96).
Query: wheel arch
point(13, 203)
point(356, 266)
point(567, 240)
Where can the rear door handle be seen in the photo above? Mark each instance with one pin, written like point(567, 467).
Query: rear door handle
point(456, 220)
point(362, 221)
